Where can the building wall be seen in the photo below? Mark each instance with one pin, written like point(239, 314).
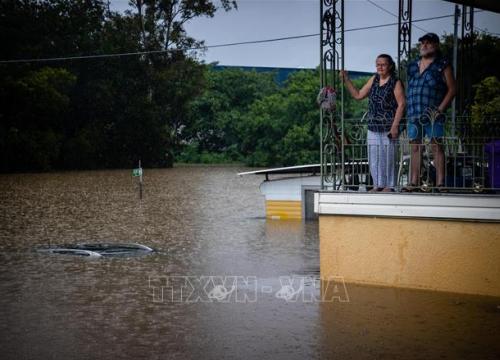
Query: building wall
point(446, 255)
point(283, 209)
point(284, 197)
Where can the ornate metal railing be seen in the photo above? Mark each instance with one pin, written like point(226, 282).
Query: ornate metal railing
point(471, 159)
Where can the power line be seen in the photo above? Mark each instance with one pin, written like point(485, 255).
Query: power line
point(392, 24)
point(391, 13)
point(101, 56)
point(258, 41)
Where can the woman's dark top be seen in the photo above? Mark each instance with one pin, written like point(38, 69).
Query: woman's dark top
point(382, 105)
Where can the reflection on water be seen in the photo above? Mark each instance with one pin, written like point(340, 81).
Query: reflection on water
point(386, 323)
point(206, 223)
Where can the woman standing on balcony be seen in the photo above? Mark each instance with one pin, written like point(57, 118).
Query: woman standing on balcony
point(386, 104)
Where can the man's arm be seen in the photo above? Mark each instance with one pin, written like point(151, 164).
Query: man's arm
point(452, 89)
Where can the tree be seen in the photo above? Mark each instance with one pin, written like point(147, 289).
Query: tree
point(174, 77)
point(215, 115)
point(486, 109)
point(118, 109)
point(162, 21)
point(32, 126)
point(283, 128)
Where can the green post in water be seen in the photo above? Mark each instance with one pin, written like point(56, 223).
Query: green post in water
point(138, 173)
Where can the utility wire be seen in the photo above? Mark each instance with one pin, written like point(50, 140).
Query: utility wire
point(101, 56)
point(153, 51)
point(392, 24)
point(391, 13)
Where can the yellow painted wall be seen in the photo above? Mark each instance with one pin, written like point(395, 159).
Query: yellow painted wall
point(446, 255)
point(280, 209)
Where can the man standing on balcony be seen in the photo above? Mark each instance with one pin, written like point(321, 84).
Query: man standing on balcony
point(431, 88)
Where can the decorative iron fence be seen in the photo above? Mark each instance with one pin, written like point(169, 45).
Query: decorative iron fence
point(470, 159)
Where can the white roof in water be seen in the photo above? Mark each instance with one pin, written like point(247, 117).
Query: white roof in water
point(298, 169)
point(311, 168)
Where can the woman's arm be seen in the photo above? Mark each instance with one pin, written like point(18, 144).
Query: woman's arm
point(399, 94)
point(355, 93)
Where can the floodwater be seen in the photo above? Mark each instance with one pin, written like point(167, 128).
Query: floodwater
point(224, 282)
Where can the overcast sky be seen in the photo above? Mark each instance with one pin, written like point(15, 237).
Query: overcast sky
point(266, 19)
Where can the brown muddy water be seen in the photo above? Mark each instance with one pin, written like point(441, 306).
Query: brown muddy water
point(224, 282)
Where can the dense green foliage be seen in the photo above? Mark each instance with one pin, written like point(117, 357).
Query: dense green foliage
point(100, 112)
point(213, 134)
point(244, 117)
point(486, 109)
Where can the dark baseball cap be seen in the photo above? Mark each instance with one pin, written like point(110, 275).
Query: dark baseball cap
point(430, 37)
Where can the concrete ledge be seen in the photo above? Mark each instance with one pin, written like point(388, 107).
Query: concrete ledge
point(436, 206)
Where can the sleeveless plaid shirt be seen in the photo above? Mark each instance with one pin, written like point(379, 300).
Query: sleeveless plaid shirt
point(426, 91)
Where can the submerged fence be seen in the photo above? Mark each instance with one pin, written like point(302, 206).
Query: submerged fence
point(464, 158)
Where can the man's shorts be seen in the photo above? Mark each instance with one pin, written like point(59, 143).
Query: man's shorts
point(423, 127)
